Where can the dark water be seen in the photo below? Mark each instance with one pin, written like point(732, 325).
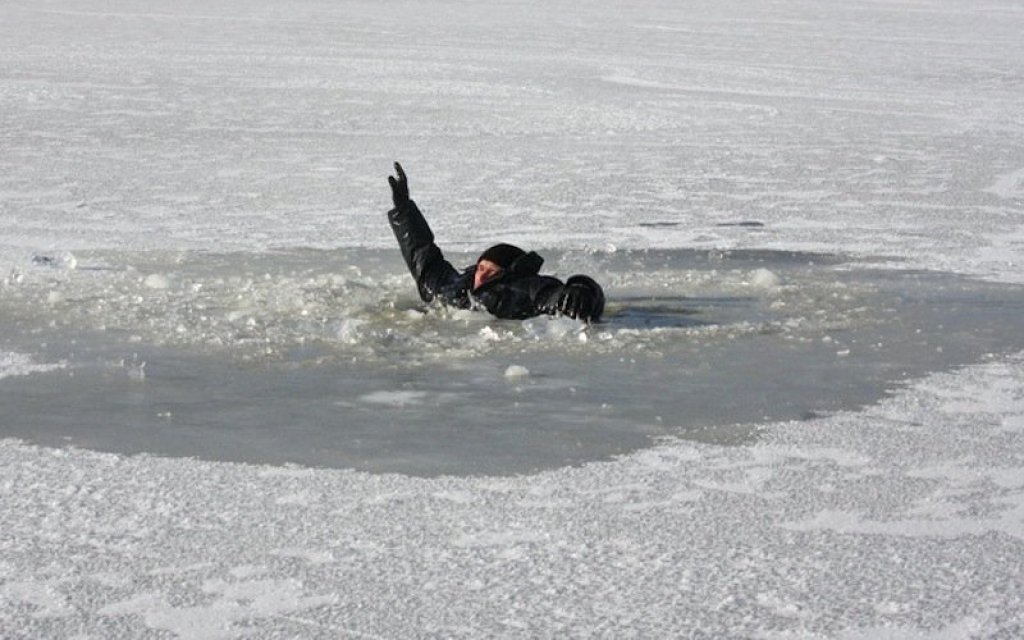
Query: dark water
point(327, 358)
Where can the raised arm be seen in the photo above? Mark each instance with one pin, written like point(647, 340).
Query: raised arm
point(424, 259)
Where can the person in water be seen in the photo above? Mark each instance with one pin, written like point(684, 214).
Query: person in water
point(505, 280)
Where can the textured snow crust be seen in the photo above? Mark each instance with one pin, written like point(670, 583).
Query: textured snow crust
point(902, 520)
point(875, 129)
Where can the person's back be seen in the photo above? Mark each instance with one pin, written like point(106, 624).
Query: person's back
point(505, 280)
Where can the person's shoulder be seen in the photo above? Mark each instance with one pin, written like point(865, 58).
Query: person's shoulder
point(528, 264)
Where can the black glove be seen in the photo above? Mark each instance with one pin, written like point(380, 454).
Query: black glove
point(581, 299)
point(399, 187)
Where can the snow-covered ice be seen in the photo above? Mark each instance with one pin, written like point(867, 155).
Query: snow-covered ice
point(149, 149)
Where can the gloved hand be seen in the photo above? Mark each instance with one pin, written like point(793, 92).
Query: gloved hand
point(581, 299)
point(399, 187)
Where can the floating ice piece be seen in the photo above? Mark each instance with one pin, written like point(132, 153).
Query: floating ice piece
point(135, 369)
point(350, 330)
point(137, 372)
point(157, 281)
point(516, 371)
point(551, 328)
point(764, 279)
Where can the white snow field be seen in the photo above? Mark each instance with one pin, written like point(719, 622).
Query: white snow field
point(188, 134)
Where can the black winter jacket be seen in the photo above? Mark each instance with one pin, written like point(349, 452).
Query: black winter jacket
point(518, 292)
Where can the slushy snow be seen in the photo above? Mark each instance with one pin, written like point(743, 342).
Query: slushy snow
point(20, 364)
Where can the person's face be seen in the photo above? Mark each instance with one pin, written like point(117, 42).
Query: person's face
point(485, 271)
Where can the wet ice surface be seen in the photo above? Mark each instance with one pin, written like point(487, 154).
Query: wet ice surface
point(326, 358)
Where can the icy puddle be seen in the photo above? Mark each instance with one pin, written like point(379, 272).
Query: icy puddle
point(328, 358)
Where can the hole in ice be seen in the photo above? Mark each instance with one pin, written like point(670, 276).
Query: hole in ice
point(328, 358)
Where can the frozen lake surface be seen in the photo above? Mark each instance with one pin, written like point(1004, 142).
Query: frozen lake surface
point(208, 181)
point(326, 358)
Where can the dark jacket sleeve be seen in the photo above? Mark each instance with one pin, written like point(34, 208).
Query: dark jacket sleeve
point(433, 274)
